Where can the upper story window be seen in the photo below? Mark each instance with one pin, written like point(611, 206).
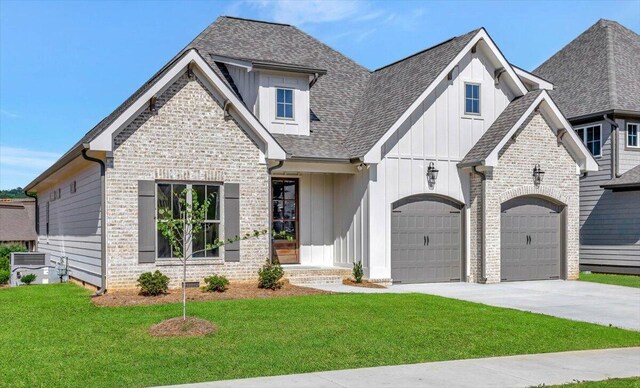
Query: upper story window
point(168, 197)
point(284, 103)
point(472, 98)
point(632, 135)
point(592, 138)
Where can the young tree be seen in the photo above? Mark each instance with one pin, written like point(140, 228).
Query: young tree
point(179, 232)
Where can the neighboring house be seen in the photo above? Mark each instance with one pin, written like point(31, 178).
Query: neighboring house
point(423, 169)
point(18, 222)
point(596, 81)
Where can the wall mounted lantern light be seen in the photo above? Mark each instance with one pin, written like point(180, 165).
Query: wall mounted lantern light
point(432, 174)
point(538, 174)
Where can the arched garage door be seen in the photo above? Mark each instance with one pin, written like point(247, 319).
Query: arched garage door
point(426, 240)
point(530, 239)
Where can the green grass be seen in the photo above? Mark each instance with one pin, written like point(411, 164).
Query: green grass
point(631, 382)
point(53, 335)
point(618, 280)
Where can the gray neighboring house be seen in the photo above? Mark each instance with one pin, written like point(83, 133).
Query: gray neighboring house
point(18, 222)
point(596, 81)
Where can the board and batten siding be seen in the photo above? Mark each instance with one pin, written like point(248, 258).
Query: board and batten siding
point(269, 82)
point(247, 83)
point(609, 227)
point(315, 199)
point(438, 131)
point(629, 156)
point(74, 224)
point(351, 219)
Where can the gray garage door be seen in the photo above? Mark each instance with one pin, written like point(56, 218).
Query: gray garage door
point(425, 240)
point(530, 240)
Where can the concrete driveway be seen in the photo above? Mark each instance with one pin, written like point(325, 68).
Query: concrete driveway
point(581, 301)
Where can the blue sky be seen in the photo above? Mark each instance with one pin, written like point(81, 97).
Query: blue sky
point(64, 65)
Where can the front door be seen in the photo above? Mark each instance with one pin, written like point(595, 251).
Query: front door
point(284, 220)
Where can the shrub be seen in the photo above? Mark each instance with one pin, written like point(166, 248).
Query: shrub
point(357, 271)
point(7, 249)
point(4, 276)
point(270, 275)
point(28, 279)
point(5, 264)
point(216, 283)
point(153, 284)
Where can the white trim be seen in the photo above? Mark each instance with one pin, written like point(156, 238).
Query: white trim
point(293, 98)
point(374, 155)
point(637, 135)
point(464, 93)
point(574, 145)
point(533, 79)
point(104, 141)
point(584, 136)
point(248, 66)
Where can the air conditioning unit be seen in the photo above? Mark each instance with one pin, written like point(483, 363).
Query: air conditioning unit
point(39, 264)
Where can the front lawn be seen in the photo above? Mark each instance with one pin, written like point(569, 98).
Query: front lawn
point(618, 280)
point(53, 334)
point(630, 382)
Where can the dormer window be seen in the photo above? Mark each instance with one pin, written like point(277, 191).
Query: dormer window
point(284, 103)
point(472, 99)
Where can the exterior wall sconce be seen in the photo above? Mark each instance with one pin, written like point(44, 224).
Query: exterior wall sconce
point(432, 174)
point(538, 174)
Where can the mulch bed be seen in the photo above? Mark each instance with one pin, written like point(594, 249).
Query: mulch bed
point(236, 290)
point(365, 284)
point(177, 327)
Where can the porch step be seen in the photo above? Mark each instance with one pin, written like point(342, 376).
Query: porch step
point(319, 275)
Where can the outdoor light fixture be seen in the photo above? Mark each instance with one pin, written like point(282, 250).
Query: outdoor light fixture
point(432, 174)
point(537, 174)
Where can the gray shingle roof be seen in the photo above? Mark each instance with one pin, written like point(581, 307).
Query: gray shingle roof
point(630, 178)
point(499, 129)
point(393, 88)
point(17, 222)
point(597, 72)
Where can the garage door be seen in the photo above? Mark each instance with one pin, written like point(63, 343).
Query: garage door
point(425, 240)
point(530, 240)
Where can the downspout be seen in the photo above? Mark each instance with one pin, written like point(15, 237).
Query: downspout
point(483, 258)
point(35, 196)
point(103, 221)
point(269, 170)
point(615, 168)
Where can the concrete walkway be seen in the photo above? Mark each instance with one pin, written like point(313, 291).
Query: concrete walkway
point(514, 371)
point(581, 301)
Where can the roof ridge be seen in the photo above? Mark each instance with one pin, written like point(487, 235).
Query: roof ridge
point(611, 66)
point(425, 50)
point(255, 20)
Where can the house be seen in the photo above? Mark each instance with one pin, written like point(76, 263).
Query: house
point(596, 82)
point(17, 222)
point(447, 165)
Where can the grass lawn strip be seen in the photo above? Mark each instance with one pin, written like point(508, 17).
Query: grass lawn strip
point(53, 333)
point(630, 382)
point(618, 280)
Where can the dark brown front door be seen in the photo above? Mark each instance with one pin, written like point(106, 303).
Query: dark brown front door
point(284, 219)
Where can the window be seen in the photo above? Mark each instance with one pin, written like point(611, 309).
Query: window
point(47, 218)
point(592, 138)
point(472, 98)
point(72, 187)
point(167, 197)
point(632, 135)
point(284, 103)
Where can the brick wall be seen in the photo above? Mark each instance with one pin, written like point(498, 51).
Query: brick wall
point(187, 139)
point(512, 177)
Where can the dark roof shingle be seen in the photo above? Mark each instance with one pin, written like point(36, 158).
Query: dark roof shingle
point(630, 178)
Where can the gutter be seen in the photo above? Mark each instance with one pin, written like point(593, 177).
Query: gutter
point(615, 152)
point(269, 171)
point(483, 259)
point(103, 220)
point(35, 196)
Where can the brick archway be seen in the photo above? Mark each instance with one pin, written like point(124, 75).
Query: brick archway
point(551, 193)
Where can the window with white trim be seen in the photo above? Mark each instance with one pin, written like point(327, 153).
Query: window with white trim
point(472, 98)
point(284, 103)
point(592, 138)
point(167, 197)
point(632, 135)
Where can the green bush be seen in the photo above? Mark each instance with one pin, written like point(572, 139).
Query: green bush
point(216, 283)
point(153, 284)
point(5, 264)
point(5, 253)
point(270, 275)
point(357, 271)
point(4, 276)
point(28, 279)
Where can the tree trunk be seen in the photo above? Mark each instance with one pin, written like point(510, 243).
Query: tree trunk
point(184, 290)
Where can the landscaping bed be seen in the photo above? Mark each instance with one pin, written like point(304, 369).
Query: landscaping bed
point(53, 332)
point(617, 280)
point(235, 290)
point(365, 284)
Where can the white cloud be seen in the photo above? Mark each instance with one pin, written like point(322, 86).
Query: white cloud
point(305, 12)
point(6, 113)
point(26, 158)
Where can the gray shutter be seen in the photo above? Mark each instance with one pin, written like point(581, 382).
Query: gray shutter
point(231, 220)
point(146, 221)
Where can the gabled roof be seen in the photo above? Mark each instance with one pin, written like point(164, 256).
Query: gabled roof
point(597, 72)
point(393, 88)
point(15, 222)
point(514, 117)
point(629, 179)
